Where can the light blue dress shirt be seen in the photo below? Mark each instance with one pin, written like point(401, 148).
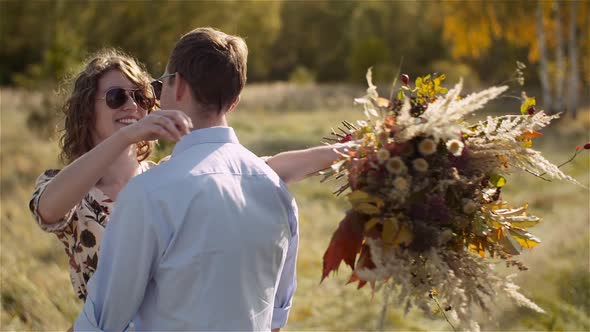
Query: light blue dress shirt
point(205, 241)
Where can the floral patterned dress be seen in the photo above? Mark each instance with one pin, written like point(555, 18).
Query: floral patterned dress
point(80, 230)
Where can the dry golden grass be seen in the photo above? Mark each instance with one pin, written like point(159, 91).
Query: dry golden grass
point(36, 292)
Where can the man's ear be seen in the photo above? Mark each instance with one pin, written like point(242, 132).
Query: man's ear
point(180, 87)
point(233, 105)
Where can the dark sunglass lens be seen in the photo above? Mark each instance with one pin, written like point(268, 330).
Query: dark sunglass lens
point(116, 98)
point(157, 86)
point(142, 100)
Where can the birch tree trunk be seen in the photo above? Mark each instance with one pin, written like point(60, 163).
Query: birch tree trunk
point(543, 75)
point(559, 59)
point(574, 75)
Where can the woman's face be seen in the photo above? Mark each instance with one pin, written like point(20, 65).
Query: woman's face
point(109, 119)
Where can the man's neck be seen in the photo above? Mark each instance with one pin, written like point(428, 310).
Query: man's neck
point(200, 121)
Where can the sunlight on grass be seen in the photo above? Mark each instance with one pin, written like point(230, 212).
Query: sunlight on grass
point(36, 292)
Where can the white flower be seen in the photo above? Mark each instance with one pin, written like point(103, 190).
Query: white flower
point(396, 165)
point(401, 184)
point(469, 207)
point(427, 147)
point(455, 147)
point(383, 155)
point(420, 165)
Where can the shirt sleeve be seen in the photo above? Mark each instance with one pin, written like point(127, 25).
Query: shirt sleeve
point(40, 185)
point(129, 253)
point(288, 279)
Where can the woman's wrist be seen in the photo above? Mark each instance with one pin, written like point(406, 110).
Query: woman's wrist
point(124, 137)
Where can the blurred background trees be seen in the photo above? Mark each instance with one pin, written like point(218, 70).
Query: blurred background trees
point(322, 41)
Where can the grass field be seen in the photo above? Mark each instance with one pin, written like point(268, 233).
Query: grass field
point(36, 293)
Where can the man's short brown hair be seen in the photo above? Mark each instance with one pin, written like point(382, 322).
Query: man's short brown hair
point(214, 65)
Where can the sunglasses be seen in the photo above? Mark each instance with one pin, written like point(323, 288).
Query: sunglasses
point(157, 85)
point(117, 97)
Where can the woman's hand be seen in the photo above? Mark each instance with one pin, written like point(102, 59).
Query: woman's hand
point(70, 185)
point(168, 124)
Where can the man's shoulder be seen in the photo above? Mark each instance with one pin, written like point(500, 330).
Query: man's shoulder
point(250, 163)
point(195, 167)
point(154, 179)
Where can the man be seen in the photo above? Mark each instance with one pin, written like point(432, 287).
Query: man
point(208, 239)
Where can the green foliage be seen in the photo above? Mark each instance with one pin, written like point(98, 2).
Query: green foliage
point(301, 75)
point(365, 54)
point(335, 40)
point(332, 40)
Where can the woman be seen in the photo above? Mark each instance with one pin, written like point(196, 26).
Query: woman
point(109, 121)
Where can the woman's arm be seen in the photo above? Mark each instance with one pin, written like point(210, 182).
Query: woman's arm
point(72, 183)
point(293, 166)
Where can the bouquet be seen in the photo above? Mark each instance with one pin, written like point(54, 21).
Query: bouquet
point(426, 213)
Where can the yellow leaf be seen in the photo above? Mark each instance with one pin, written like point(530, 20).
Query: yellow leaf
point(359, 196)
point(400, 95)
point(528, 102)
point(365, 203)
point(371, 223)
point(527, 143)
point(498, 180)
point(525, 239)
point(366, 208)
point(404, 236)
point(509, 244)
point(418, 82)
point(389, 228)
point(524, 221)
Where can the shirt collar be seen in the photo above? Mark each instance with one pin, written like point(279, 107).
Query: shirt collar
point(206, 135)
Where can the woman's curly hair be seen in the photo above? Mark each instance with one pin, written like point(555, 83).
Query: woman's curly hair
point(78, 110)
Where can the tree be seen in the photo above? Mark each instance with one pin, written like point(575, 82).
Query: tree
point(559, 61)
point(384, 32)
point(313, 37)
point(472, 28)
point(543, 71)
point(574, 75)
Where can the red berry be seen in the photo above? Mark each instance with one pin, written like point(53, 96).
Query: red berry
point(578, 148)
point(346, 138)
point(587, 146)
point(406, 79)
point(531, 110)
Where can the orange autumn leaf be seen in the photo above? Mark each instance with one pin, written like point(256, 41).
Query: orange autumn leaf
point(345, 244)
point(364, 262)
point(532, 134)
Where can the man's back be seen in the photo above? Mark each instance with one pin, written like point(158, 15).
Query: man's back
point(224, 226)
